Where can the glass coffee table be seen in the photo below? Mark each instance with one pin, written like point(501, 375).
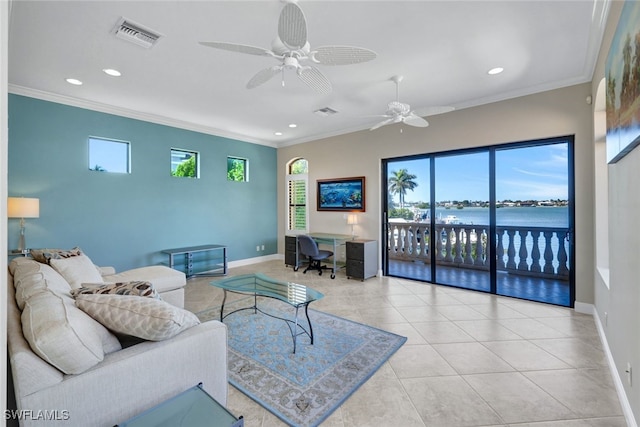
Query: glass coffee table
point(296, 295)
point(193, 408)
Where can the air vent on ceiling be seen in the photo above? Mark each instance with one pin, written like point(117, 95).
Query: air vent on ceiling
point(326, 111)
point(135, 33)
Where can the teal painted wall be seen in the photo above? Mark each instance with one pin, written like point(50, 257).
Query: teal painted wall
point(125, 220)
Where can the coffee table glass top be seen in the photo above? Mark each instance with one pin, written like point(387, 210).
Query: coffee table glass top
point(257, 283)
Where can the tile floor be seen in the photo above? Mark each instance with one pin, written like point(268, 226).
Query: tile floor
point(471, 359)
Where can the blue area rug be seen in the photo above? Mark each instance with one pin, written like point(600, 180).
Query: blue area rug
point(301, 389)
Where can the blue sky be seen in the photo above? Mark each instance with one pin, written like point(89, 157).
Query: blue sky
point(531, 173)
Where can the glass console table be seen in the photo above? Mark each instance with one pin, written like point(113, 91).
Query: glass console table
point(203, 260)
point(191, 408)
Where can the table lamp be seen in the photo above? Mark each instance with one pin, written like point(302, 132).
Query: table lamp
point(352, 219)
point(23, 207)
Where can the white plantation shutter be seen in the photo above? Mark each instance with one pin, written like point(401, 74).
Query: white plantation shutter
point(297, 202)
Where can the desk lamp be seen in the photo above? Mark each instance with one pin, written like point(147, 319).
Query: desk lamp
point(352, 219)
point(23, 207)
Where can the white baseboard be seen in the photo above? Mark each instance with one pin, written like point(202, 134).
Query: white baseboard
point(622, 396)
point(249, 261)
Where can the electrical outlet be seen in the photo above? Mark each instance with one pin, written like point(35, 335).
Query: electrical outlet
point(262, 248)
point(258, 248)
point(628, 371)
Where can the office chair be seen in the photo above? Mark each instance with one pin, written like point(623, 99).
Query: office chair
point(309, 248)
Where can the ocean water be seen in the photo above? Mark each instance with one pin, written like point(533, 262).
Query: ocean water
point(555, 216)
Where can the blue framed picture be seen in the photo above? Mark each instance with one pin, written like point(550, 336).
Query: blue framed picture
point(342, 194)
point(623, 99)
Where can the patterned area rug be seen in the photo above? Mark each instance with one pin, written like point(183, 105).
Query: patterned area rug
point(301, 389)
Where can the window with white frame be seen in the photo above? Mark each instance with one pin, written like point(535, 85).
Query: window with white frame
point(297, 192)
point(237, 169)
point(185, 163)
point(109, 155)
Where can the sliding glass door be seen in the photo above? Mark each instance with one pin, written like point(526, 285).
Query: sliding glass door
point(462, 220)
point(533, 223)
point(497, 219)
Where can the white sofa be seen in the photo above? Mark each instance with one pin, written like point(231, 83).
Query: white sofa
point(54, 379)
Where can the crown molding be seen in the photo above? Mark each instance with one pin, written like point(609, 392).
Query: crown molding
point(131, 114)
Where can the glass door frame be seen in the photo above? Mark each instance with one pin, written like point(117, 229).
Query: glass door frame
point(491, 243)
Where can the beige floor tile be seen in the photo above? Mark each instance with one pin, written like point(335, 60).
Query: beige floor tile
point(442, 332)
point(405, 330)
point(487, 330)
point(530, 329)
point(525, 356)
point(497, 310)
point(459, 312)
point(471, 358)
point(516, 398)
point(578, 391)
point(449, 402)
point(415, 361)
point(574, 351)
point(421, 314)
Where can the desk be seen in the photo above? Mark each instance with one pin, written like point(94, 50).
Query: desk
point(333, 240)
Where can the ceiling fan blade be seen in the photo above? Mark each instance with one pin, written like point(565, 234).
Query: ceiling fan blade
point(240, 48)
point(417, 121)
point(341, 55)
point(432, 111)
point(263, 76)
point(383, 123)
point(313, 78)
point(292, 27)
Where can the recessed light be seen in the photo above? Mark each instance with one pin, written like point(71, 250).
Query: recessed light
point(278, 133)
point(293, 125)
point(112, 72)
point(74, 82)
point(496, 70)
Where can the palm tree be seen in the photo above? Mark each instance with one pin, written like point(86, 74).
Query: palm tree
point(400, 182)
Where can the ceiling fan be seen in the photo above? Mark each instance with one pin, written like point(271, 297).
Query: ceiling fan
point(291, 48)
point(399, 112)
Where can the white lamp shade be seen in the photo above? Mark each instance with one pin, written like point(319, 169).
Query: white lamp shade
point(352, 219)
point(23, 207)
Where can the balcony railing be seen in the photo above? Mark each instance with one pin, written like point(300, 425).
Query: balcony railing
point(536, 251)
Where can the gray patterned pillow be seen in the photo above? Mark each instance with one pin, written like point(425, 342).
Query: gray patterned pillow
point(145, 318)
point(44, 255)
point(136, 288)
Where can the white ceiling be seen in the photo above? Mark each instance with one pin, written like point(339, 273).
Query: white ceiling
point(442, 48)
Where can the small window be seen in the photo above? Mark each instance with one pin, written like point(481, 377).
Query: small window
point(184, 163)
point(237, 169)
point(108, 155)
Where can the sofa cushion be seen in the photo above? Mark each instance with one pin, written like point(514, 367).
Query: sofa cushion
point(77, 270)
point(136, 288)
point(30, 278)
point(162, 277)
point(145, 318)
point(60, 333)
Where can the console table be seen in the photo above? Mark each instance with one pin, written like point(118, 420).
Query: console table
point(203, 260)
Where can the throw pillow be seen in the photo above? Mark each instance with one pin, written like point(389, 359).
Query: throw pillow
point(137, 288)
point(145, 318)
point(44, 255)
point(77, 270)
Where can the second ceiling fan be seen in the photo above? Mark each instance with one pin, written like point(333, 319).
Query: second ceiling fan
point(292, 49)
point(398, 112)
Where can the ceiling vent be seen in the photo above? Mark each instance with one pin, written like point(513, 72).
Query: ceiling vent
point(135, 33)
point(325, 112)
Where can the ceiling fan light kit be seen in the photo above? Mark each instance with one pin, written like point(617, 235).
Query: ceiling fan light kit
point(293, 50)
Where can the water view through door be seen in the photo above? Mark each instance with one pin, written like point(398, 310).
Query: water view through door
point(500, 217)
